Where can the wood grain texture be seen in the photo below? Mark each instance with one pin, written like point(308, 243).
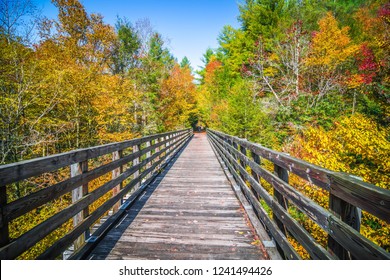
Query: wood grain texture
point(27, 203)
point(338, 231)
point(61, 244)
point(313, 173)
point(280, 215)
point(31, 237)
point(189, 212)
point(354, 242)
point(363, 195)
point(310, 208)
point(14, 172)
point(278, 236)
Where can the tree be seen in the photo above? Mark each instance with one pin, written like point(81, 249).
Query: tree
point(237, 48)
point(280, 72)
point(355, 145)
point(245, 116)
point(18, 71)
point(185, 62)
point(176, 99)
point(330, 49)
point(17, 19)
point(127, 48)
point(261, 18)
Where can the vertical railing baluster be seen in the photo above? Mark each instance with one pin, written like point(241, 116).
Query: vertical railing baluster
point(346, 212)
point(115, 173)
point(156, 150)
point(235, 146)
point(75, 170)
point(166, 145)
point(149, 164)
point(4, 231)
point(256, 159)
point(283, 175)
point(242, 163)
point(136, 148)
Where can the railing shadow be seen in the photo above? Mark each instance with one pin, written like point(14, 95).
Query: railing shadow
point(131, 214)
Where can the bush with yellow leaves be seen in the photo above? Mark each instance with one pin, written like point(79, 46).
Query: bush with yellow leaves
point(356, 145)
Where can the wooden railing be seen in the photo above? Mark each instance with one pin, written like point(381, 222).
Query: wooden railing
point(134, 164)
point(347, 197)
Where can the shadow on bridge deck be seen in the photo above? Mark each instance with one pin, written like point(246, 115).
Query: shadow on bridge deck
point(190, 211)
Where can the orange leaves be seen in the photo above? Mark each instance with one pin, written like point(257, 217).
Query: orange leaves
point(331, 45)
point(211, 67)
point(177, 98)
point(356, 145)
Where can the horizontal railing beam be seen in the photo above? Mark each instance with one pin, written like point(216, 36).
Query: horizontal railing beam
point(309, 243)
point(18, 171)
point(67, 240)
point(22, 206)
point(233, 152)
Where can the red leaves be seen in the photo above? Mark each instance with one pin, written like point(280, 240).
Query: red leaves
point(384, 13)
point(366, 64)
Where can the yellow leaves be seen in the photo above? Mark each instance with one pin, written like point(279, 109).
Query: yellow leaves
point(113, 101)
point(256, 242)
point(356, 145)
point(354, 81)
point(177, 98)
point(331, 45)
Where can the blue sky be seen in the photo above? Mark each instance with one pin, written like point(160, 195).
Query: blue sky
point(190, 25)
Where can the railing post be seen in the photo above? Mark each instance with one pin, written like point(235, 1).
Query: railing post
point(161, 147)
point(136, 148)
point(4, 231)
point(167, 144)
point(75, 170)
point(283, 175)
point(349, 214)
point(256, 159)
point(235, 146)
point(115, 173)
point(243, 151)
point(227, 142)
point(156, 150)
point(149, 164)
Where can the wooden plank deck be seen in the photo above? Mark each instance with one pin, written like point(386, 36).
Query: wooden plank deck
point(189, 212)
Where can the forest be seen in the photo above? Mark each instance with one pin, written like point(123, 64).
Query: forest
point(309, 78)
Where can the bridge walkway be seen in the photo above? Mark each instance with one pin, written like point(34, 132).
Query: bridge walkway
point(190, 211)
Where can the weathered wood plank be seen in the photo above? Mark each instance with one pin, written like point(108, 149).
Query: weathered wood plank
point(115, 173)
point(181, 213)
point(112, 220)
point(310, 172)
point(363, 195)
point(279, 237)
point(14, 172)
point(79, 192)
point(349, 214)
point(338, 230)
point(25, 204)
point(4, 231)
point(358, 245)
point(30, 238)
point(142, 250)
point(313, 210)
point(281, 173)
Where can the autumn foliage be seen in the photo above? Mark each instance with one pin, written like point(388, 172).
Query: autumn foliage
point(310, 79)
point(80, 83)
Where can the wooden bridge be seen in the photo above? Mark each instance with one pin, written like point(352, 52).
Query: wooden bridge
point(180, 195)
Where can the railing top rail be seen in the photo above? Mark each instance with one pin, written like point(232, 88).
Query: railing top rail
point(364, 195)
point(340, 221)
point(13, 172)
point(126, 172)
